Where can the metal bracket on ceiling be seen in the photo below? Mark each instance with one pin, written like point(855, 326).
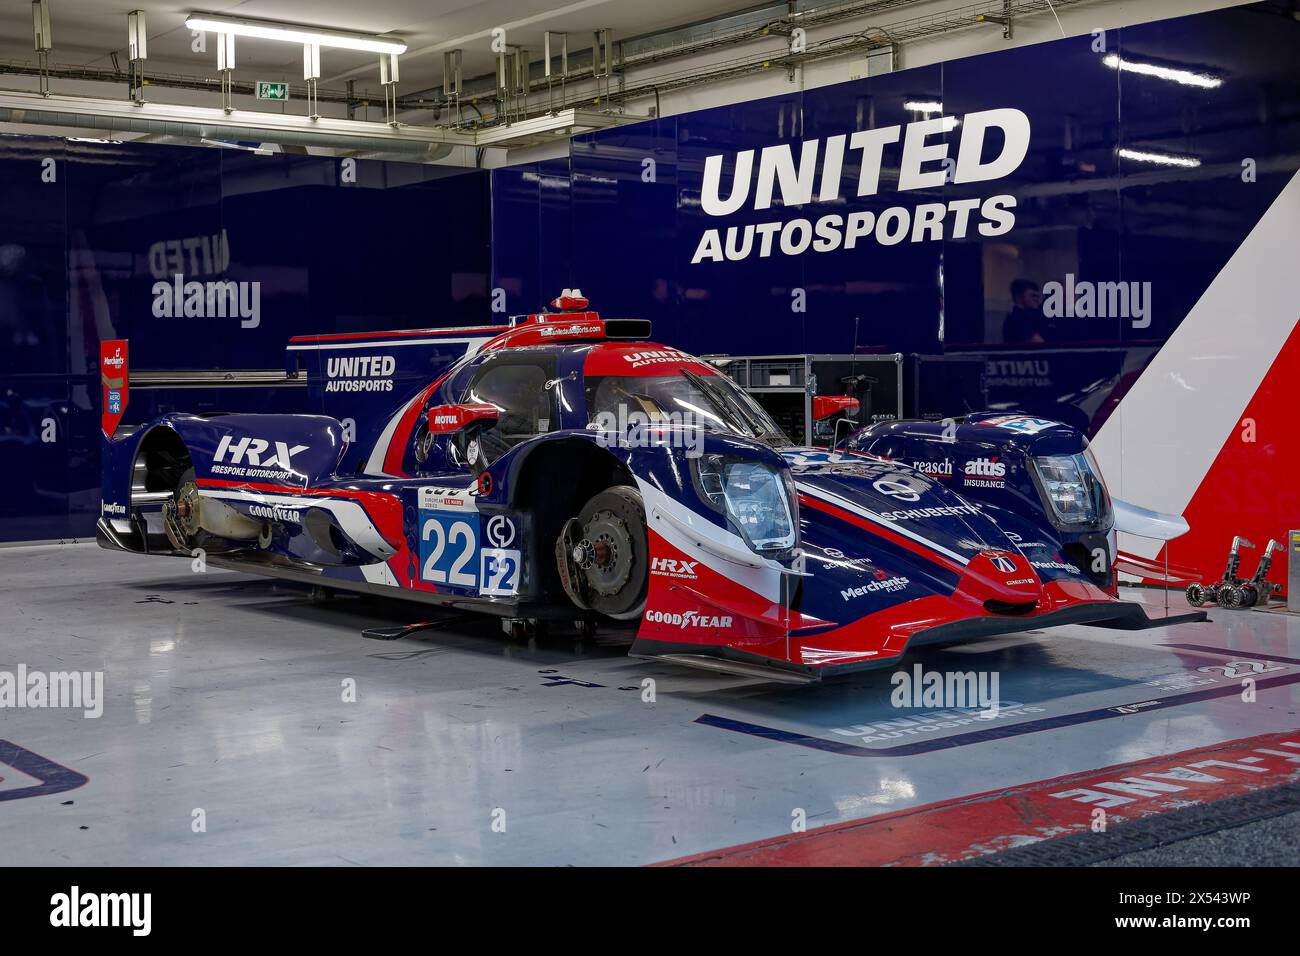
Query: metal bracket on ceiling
point(226, 67)
point(137, 53)
point(453, 83)
point(1003, 19)
point(43, 41)
point(310, 74)
point(388, 76)
point(549, 72)
point(602, 63)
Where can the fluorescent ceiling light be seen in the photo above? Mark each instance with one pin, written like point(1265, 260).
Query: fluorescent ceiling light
point(1162, 159)
point(292, 33)
point(923, 106)
point(1185, 77)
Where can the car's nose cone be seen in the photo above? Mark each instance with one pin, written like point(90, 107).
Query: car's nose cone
point(1002, 577)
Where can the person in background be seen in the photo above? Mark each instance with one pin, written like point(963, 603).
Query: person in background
point(1025, 324)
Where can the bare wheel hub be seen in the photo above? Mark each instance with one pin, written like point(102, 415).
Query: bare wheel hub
point(181, 516)
point(605, 553)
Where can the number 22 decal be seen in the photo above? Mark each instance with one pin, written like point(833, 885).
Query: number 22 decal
point(458, 537)
point(1237, 668)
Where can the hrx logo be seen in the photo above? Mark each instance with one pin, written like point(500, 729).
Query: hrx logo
point(673, 568)
point(251, 450)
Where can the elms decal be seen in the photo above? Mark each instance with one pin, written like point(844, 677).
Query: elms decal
point(780, 175)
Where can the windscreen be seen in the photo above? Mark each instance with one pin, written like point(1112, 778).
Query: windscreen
point(682, 398)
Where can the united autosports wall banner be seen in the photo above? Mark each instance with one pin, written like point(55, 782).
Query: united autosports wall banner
point(1108, 224)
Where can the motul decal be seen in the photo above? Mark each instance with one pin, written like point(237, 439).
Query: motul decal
point(445, 419)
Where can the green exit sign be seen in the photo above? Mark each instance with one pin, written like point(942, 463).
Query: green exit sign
point(272, 91)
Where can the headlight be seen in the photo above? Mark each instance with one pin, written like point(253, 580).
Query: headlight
point(1073, 490)
point(757, 499)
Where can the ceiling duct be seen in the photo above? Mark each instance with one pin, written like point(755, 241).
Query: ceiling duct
point(415, 143)
point(194, 130)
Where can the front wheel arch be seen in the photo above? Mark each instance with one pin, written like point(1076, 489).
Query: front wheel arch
point(552, 483)
point(161, 460)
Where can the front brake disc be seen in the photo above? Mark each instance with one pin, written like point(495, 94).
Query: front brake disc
point(610, 544)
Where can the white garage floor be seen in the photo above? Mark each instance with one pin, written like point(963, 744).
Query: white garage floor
point(224, 701)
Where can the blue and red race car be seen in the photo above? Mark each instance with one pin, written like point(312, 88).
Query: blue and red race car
point(563, 467)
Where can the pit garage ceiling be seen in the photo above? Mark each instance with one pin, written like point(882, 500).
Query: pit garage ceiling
point(86, 32)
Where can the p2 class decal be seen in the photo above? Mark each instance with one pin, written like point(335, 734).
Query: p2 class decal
point(50, 777)
point(499, 570)
point(449, 538)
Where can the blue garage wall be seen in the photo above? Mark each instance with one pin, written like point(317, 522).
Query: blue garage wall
point(89, 228)
point(635, 219)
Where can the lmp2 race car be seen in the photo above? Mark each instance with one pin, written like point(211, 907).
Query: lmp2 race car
point(564, 468)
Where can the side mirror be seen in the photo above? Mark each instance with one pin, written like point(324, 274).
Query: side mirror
point(449, 419)
point(835, 436)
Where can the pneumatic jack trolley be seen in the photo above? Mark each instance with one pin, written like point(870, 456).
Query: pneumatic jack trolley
point(1255, 591)
point(1199, 595)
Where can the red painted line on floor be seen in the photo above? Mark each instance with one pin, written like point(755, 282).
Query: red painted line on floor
point(967, 827)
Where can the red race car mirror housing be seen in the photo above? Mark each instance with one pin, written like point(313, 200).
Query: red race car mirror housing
point(448, 419)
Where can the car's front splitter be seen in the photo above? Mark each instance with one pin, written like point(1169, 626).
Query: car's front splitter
point(1120, 615)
